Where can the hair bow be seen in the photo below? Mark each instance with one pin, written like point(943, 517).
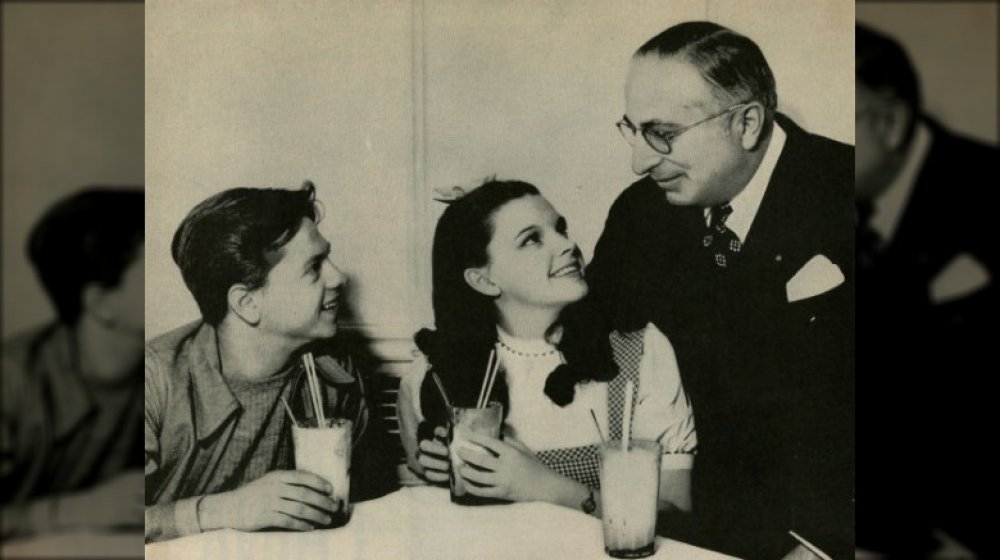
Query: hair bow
point(448, 195)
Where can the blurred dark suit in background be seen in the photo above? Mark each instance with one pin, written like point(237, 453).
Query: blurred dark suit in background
point(925, 299)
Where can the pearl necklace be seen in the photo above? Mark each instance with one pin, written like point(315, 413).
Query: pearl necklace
point(526, 354)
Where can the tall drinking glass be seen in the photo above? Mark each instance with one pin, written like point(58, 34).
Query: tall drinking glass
point(630, 483)
point(465, 421)
point(326, 452)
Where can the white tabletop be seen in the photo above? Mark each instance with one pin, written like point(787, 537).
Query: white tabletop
point(421, 523)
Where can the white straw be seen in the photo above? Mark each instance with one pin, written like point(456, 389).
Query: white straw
point(288, 409)
point(627, 416)
point(309, 381)
point(493, 378)
point(319, 399)
point(486, 378)
point(313, 388)
point(313, 393)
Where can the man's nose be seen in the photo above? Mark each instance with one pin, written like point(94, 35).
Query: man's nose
point(644, 158)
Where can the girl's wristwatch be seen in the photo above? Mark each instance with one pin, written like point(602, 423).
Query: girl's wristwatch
point(589, 505)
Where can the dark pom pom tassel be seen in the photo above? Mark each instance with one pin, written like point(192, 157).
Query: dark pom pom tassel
point(425, 340)
point(560, 386)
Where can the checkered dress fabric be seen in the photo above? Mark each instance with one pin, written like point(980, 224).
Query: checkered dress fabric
point(720, 241)
point(582, 464)
point(627, 349)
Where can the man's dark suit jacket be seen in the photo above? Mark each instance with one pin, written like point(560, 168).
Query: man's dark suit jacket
point(772, 382)
point(921, 364)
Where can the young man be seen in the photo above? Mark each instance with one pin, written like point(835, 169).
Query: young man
point(70, 421)
point(218, 441)
point(737, 244)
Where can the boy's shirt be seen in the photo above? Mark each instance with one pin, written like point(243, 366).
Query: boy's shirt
point(57, 433)
point(200, 439)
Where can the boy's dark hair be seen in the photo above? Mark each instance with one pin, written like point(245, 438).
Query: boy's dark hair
point(236, 237)
point(89, 237)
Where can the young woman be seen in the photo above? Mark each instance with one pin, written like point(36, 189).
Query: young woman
point(504, 272)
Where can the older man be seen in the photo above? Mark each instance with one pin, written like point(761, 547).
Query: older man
point(738, 243)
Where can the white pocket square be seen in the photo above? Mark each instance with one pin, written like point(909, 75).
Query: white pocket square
point(816, 277)
point(963, 276)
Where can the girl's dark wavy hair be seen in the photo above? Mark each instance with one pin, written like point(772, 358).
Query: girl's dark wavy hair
point(466, 319)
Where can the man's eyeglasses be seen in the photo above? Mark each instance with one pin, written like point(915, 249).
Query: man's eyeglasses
point(659, 136)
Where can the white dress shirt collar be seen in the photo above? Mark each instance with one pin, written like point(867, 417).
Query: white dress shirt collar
point(890, 204)
point(747, 202)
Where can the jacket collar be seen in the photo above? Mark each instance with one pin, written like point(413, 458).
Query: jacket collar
point(214, 402)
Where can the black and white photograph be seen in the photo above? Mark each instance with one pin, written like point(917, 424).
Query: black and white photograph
point(499, 280)
point(457, 279)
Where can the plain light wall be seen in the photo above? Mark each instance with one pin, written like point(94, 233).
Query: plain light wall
point(954, 48)
point(269, 94)
point(72, 116)
point(382, 105)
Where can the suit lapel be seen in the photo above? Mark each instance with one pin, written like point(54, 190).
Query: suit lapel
point(774, 248)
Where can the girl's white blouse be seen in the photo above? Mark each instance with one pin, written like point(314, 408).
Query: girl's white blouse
point(662, 405)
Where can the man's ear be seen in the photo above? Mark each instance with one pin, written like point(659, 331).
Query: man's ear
point(243, 303)
point(750, 124)
point(893, 122)
point(479, 280)
point(96, 303)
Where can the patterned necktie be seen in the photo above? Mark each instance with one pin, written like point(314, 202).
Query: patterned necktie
point(721, 242)
point(867, 240)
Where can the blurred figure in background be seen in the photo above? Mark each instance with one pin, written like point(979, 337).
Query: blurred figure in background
point(72, 408)
point(925, 291)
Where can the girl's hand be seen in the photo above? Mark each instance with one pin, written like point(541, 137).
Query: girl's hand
point(506, 470)
point(432, 455)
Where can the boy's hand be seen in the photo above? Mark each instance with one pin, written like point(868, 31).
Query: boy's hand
point(295, 500)
point(433, 456)
point(114, 503)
